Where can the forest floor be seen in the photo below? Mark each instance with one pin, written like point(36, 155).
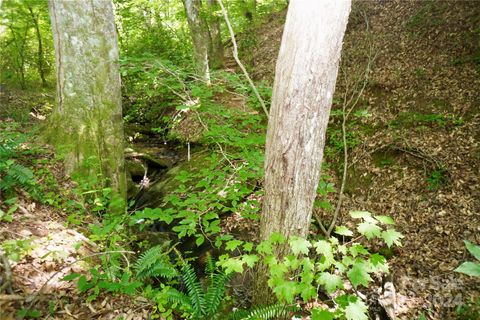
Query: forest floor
point(414, 149)
point(414, 155)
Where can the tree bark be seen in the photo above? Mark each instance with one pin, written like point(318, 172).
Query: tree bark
point(40, 63)
point(305, 79)
point(201, 39)
point(87, 121)
point(216, 48)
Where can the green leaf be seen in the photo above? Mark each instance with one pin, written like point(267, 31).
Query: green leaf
point(248, 246)
point(232, 265)
point(473, 249)
point(286, 290)
point(469, 268)
point(71, 277)
point(277, 238)
point(369, 230)
point(299, 245)
point(330, 281)
point(379, 263)
point(343, 231)
point(324, 248)
point(200, 239)
point(360, 214)
point(318, 314)
point(357, 249)
point(385, 219)
point(233, 244)
point(265, 247)
point(358, 274)
point(250, 259)
point(391, 236)
point(356, 311)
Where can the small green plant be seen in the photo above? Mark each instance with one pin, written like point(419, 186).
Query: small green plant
point(469, 310)
point(100, 281)
point(12, 173)
point(471, 268)
point(326, 263)
point(155, 262)
point(436, 179)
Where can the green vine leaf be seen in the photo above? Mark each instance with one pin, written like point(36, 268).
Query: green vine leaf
point(356, 311)
point(391, 236)
point(343, 231)
point(330, 281)
point(369, 230)
point(299, 245)
point(385, 219)
point(358, 274)
point(318, 314)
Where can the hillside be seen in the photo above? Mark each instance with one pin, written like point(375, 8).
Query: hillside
point(421, 161)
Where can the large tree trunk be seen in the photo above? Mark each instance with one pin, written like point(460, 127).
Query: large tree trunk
point(216, 48)
point(201, 39)
point(87, 120)
point(40, 62)
point(305, 79)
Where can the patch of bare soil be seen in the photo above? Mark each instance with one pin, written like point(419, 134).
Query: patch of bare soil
point(417, 155)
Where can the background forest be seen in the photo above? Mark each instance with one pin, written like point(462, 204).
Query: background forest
point(395, 226)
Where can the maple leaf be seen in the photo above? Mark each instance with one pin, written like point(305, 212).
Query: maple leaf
point(358, 274)
point(356, 311)
point(330, 281)
point(391, 236)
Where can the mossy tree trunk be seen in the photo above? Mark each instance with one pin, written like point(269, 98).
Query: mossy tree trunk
point(87, 122)
point(201, 38)
point(305, 78)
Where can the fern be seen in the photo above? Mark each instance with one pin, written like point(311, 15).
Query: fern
point(180, 298)
point(194, 289)
point(13, 174)
point(155, 263)
point(216, 292)
point(264, 312)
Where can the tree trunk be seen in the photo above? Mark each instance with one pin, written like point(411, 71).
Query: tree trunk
point(216, 49)
point(200, 37)
point(305, 79)
point(87, 120)
point(40, 63)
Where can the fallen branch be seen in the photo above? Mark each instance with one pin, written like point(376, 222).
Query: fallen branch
point(11, 297)
point(235, 56)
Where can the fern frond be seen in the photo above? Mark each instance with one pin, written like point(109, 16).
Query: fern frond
point(155, 263)
point(194, 289)
point(268, 312)
point(215, 292)
point(210, 266)
point(180, 298)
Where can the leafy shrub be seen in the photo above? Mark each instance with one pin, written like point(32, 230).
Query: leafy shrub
point(326, 263)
